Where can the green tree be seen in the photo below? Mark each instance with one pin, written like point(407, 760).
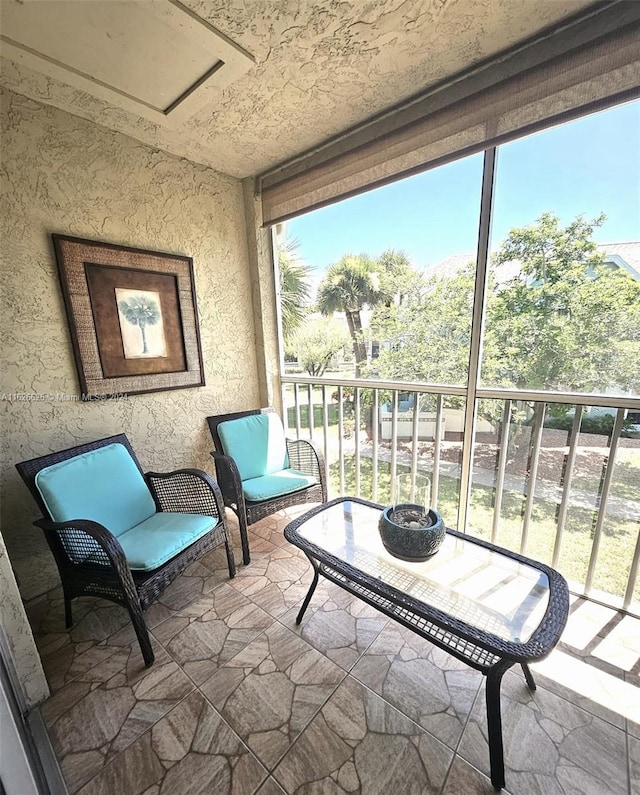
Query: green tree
point(351, 284)
point(316, 342)
point(427, 334)
point(142, 312)
point(397, 276)
point(400, 283)
point(295, 288)
point(565, 321)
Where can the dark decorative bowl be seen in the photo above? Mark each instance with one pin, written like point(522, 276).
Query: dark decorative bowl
point(410, 533)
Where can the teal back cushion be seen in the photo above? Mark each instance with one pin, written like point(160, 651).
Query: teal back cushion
point(256, 443)
point(104, 485)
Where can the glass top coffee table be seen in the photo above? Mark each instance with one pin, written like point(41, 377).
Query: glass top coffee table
point(488, 607)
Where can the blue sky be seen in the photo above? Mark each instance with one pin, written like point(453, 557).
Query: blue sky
point(585, 167)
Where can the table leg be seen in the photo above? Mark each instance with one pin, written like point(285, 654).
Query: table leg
point(494, 722)
point(307, 598)
point(531, 682)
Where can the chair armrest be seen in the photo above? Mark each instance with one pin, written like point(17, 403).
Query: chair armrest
point(305, 456)
point(229, 480)
point(186, 491)
point(84, 539)
point(74, 534)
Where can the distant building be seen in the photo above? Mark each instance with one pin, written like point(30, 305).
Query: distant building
point(625, 256)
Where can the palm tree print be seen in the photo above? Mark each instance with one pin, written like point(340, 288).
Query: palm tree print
point(142, 312)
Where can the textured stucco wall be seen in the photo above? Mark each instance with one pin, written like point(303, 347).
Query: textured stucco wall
point(67, 175)
point(18, 633)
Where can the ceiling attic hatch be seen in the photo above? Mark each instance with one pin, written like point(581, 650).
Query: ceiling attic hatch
point(154, 58)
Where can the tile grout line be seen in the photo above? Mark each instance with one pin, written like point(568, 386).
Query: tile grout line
point(148, 729)
point(348, 674)
point(226, 722)
point(275, 620)
point(574, 706)
point(104, 643)
point(317, 712)
point(195, 686)
point(456, 753)
point(145, 732)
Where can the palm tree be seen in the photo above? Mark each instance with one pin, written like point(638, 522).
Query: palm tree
point(142, 312)
point(349, 285)
point(295, 291)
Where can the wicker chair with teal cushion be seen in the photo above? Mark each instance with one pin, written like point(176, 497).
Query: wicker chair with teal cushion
point(260, 471)
point(118, 533)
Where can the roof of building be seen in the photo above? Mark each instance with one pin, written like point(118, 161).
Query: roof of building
point(625, 255)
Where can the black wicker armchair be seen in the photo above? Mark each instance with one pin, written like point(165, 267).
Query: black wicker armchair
point(299, 458)
point(175, 518)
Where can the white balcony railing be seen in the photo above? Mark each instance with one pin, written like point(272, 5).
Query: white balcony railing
point(539, 473)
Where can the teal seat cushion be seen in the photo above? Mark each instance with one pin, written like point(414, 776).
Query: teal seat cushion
point(256, 443)
point(103, 485)
point(161, 537)
point(276, 484)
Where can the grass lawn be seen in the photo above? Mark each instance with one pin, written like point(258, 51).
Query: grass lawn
point(616, 548)
point(619, 535)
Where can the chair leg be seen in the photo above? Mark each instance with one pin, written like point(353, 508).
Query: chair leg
point(68, 615)
point(244, 538)
point(230, 559)
point(142, 633)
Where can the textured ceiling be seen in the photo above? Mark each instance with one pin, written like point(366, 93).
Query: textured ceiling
point(320, 68)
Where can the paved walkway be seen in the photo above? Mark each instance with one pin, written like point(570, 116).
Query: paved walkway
point(616, 506)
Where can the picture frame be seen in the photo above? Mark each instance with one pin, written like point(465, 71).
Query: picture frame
point(132, 316)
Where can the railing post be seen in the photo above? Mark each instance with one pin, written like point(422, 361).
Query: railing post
point(325, 432)
point(356, 431)
point(566, 483)
point(311, 419)
point(296, 397)
point(532, 475)
point(394, 445)
point(340, 437)
point(437, 442)
point(415, 442)
point(285, 411)
point(503, 441)
point(604, 498)
point(374, 452)
point(633, 574)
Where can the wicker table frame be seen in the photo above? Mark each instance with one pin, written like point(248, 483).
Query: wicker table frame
point(482, 650)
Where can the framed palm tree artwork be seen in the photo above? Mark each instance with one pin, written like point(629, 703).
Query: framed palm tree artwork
point(133, 317)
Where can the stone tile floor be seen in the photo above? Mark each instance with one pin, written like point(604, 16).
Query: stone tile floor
point(242, 701)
